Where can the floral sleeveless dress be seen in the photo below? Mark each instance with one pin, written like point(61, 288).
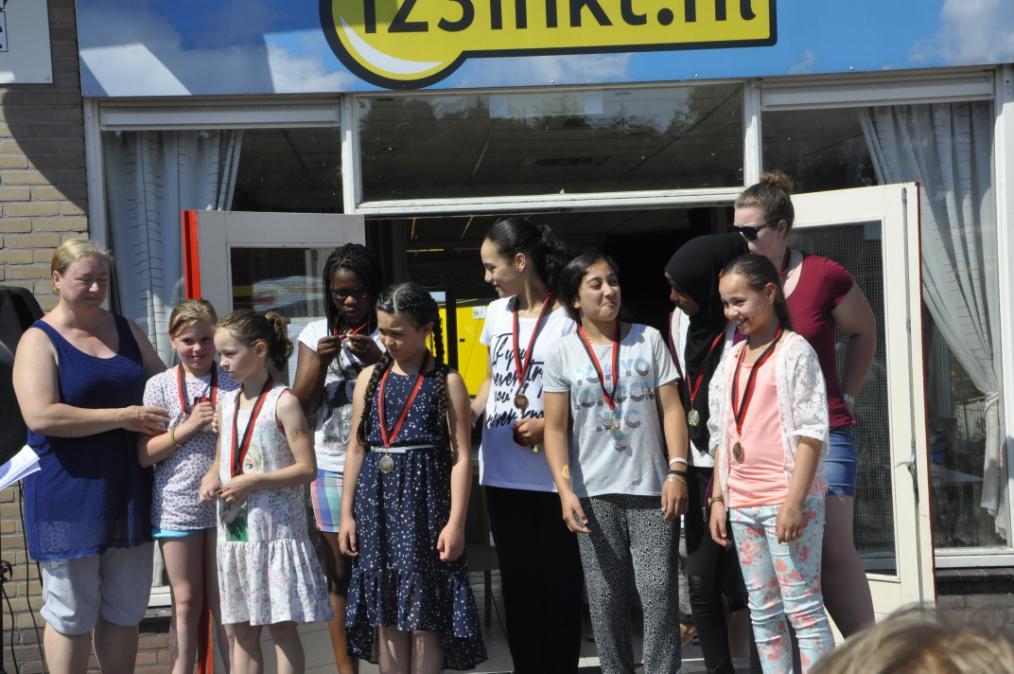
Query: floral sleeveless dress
point(273, 576)
point(398, 578)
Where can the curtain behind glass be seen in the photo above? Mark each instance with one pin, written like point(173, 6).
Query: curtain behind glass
point(947, 147)
point(150, 177)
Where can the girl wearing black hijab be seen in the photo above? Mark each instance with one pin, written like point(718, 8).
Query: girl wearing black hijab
point(698, 336)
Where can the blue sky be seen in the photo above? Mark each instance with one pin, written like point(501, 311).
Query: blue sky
point(203, 47)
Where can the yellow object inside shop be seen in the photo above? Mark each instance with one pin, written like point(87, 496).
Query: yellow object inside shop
point(472, 355)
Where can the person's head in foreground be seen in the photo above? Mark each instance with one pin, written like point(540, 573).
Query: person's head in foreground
point(920, 640)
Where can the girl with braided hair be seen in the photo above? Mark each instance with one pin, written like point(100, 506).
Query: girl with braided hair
point(405, 495)
point(332, 353)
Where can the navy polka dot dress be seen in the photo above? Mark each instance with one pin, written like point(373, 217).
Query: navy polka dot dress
point(398, 578)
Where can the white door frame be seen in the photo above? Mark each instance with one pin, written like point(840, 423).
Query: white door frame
point(896, 207)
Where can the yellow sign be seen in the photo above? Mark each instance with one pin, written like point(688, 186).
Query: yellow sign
point(414, 43)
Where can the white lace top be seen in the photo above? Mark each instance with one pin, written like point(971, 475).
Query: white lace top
point(802, 401)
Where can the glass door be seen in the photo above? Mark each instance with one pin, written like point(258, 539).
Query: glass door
point(874, 233)
point(264, 261)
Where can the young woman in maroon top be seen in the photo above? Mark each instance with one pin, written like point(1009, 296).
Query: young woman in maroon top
point(822, 297)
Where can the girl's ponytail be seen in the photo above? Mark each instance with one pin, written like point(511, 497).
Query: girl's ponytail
point(250, 327)
point(538, 243)
point(279, 346)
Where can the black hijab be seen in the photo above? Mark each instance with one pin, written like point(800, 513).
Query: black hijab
point(694, 270)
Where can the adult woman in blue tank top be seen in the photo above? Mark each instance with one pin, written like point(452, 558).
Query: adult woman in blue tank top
point(79, 376)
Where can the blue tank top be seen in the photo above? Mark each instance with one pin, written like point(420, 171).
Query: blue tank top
point(91, 494)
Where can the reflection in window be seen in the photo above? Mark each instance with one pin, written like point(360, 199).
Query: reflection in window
point(290, 170)
point(461, 145)
point(820, 149)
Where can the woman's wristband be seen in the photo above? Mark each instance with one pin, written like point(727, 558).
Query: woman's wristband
point(677, 460)
point(676, 477)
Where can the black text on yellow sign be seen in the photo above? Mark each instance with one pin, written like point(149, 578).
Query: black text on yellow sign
point(414, 43)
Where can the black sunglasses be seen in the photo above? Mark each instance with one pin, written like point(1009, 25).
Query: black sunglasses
point(750, 232)
point(342, 294)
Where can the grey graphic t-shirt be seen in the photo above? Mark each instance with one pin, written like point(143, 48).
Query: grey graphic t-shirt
point(629, 458)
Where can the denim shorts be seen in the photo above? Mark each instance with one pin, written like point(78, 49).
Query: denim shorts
point(839, 465)
point(115, 585)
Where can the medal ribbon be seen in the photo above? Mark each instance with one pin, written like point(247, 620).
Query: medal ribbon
point(699, 377)
point(355, 331)
point(522, 368)
point(238, 454)
point(388, 439)
point(739, 411)
point(608, 395)
point(181, 387)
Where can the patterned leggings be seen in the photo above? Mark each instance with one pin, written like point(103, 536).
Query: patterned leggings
point(631, 548)
point(783, 580)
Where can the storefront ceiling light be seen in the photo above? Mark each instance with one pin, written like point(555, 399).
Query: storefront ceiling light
point(530, 106)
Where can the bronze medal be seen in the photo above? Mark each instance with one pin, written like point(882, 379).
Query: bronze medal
point(386, 464)
point(521, 401)
point(737, 452)
point(694, 418)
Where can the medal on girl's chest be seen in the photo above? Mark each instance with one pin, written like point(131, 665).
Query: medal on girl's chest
point(212, 397)
point(522, 366)
point(386, 463)
point(609, 396)
point(234, 514)
point(741, 404)
point(693, 416)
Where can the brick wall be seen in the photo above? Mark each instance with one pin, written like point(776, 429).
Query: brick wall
point(43, 193)
point(44, 201)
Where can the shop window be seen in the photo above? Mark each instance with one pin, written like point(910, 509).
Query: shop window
point(290, 170)
point(820, 149)
point(472, 145)
point(947, 148)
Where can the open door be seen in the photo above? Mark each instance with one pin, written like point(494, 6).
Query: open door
point(874, 233)
point(264, 261)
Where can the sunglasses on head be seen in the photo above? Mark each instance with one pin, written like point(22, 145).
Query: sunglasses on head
point(750, 232)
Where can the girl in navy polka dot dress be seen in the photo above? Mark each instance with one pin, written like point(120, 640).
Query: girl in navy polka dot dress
point(407, 481)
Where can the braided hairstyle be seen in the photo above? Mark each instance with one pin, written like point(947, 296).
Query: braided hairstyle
point(758, 271)
point(249, 327)
point(357, 259)
point(411, 300)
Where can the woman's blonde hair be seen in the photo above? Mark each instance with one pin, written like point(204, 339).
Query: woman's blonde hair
point(72, 250)
point(920, 640)
point(191, 312)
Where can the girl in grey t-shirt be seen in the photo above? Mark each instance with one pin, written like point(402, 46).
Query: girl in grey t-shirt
point(613, 423)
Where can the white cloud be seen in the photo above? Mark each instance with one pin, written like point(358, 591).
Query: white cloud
point(541, 70)
point(142, 54)
point(974, 31)
point(804, 67)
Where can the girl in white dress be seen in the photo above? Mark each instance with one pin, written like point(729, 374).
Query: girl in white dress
point(267, 571)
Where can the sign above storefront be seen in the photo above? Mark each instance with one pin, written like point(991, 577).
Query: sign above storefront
point(225, 47)
point(24, 43)
point(414, 43)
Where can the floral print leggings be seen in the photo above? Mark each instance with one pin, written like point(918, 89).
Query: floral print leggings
point(783, 580)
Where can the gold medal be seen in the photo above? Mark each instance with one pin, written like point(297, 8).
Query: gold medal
point(386, 464)
point(694, 418)
point(614, 424)
point(737, 452)
point(521, 401)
